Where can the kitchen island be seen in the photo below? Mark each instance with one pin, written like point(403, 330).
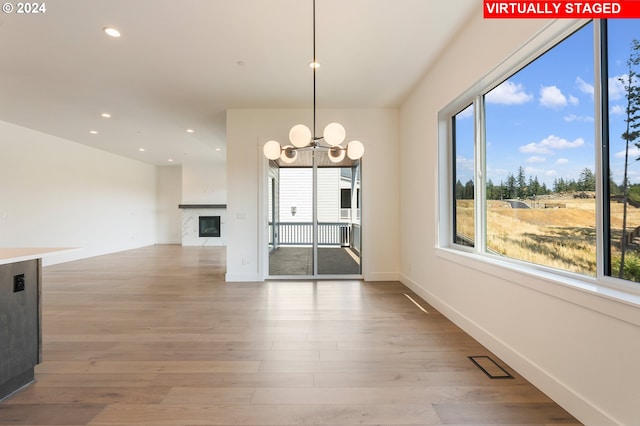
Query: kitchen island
point(21, 315)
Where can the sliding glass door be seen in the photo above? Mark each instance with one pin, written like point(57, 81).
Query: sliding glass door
point(314, 217)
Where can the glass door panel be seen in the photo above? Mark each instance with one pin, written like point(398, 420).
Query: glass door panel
point(293, 253)
point(338, 192)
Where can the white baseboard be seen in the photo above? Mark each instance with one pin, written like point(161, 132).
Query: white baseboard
point(381, 276)
point(566, 397)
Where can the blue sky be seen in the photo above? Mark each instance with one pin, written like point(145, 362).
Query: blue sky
point(542, 118)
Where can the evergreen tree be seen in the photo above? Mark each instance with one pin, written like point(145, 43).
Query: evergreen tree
point(521, 183)
point(491, 190)
point(544, 190)
point(468, 193)
point(614, 188)
point(559, 185)
point(459, 190)
point(587, 181)
point(511, 188)
point(630, 135)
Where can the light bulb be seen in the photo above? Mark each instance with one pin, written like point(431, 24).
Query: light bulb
point(288, 155)
point(271, 150)
point(336, 154)
point(334, 134)
point(355, 150)
point(300, 135)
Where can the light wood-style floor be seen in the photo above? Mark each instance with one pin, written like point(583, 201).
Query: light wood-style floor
point(156, 337)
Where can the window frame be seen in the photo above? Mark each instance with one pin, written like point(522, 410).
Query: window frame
point(455, 177)
point(604, 287)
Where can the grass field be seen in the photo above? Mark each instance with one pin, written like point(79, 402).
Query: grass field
point(563, 237)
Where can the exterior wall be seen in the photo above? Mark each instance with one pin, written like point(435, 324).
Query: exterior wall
point(578, 347)
point(328, 195)
point(296, 190)
point(57, 193)
point(248, 130)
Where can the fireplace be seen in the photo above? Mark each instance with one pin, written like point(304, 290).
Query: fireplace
point(209, 226)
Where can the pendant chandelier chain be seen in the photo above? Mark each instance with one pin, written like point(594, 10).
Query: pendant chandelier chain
point(303, 138)
point(315, 62)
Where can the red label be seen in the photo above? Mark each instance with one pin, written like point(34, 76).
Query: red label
point(561, 9)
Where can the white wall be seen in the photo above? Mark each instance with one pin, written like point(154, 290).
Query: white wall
point(579, 348)
point(56, 193)
point(169, 196)
point(248, 130)
point(204, 183)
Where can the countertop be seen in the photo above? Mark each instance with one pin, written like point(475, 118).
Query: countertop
point(12, 255)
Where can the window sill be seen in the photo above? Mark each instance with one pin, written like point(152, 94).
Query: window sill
point(583, 291)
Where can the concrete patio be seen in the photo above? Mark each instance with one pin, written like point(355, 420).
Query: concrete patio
point(299, 261)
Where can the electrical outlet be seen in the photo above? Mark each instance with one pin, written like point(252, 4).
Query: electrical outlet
point(18, 283)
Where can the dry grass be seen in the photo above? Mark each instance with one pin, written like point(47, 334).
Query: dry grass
point(563, 238)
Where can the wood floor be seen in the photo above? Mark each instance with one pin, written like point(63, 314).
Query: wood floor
point(156, 337)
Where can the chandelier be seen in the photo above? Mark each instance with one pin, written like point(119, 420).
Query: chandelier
point(302, 138)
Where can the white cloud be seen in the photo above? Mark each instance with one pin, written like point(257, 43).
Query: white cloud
point(466, 113)
point(534, 148)
point(616, 87)
point(584, 87)
point(617, 110)
point(581, 118)
point(464, 163)
point(536, 159)
point(561, 161)
point(532, 171)
point(559, 143)
point(552, 97)
point(550, 144)
point(509, 93)
point(551, 173)
point(573, 100)
point(634, 152)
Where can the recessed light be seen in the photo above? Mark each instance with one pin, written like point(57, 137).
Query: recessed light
point(218, 149)
point(141, 149)
point(110, 31)
point(314, 64)
point(170, 160)
point(105, 115)
point(93, 132)
point(190, 130)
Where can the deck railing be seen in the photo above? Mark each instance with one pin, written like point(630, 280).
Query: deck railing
point(301, 233)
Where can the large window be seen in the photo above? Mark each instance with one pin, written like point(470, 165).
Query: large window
point(544, 160)
point(540, 158)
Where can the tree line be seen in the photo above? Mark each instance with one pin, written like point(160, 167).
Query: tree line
point(519, 186)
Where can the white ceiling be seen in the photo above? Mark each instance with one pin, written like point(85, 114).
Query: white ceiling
point(181, 64)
